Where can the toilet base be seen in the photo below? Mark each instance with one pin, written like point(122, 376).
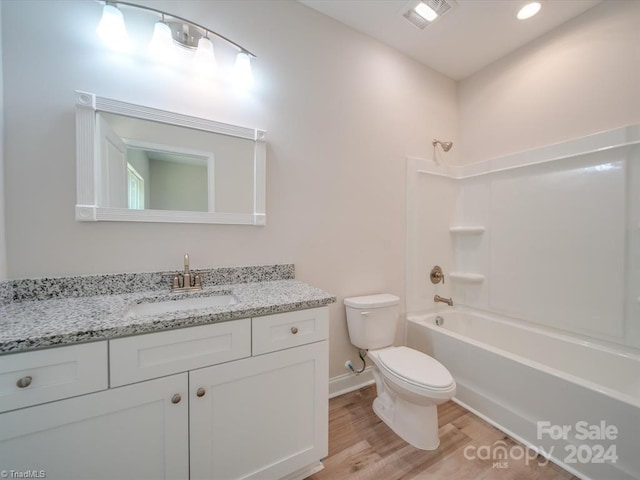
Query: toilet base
point(415, 424)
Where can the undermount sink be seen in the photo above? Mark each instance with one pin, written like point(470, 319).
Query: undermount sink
point(177, 305)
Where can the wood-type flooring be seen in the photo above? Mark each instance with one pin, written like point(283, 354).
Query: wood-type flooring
point(362, 447)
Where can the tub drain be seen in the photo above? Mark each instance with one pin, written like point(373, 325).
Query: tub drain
point(439, 320)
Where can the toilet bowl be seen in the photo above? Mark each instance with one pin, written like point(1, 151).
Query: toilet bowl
point(409, 383)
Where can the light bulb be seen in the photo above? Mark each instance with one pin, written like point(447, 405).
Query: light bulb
point(204, 60)
point(529, 10)
point(111, 28)
point(242, 71)
point(161, 47)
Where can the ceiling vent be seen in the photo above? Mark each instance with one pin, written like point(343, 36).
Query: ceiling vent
point(426, 12)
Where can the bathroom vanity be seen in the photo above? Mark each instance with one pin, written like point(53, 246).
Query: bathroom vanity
point(240, 391)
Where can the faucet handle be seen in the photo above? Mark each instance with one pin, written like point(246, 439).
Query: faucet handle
point(175, 279)
point(436, 275)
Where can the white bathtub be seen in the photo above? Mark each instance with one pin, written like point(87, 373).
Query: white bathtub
point(548, 390)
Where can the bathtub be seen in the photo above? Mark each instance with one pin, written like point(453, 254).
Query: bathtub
point(575, 401)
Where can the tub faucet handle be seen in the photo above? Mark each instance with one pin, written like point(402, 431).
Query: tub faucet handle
point(436, 275)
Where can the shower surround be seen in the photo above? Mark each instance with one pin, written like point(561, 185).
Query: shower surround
point(547, 239)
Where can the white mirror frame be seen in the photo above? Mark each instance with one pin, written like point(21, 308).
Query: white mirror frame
point(87, 209)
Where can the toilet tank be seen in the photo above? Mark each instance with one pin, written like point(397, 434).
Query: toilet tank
point(372, 320)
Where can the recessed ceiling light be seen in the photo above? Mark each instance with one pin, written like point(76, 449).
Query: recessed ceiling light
point(426, 12)
point(529, 10)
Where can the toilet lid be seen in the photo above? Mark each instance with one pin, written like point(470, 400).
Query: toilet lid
point(416, 367)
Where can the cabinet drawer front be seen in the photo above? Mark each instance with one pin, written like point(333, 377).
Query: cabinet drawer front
point(141, 357)
point(291, 329)
point(41, 376)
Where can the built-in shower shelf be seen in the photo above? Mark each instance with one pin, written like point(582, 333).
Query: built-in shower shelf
point(467, 230)
point(466, 277)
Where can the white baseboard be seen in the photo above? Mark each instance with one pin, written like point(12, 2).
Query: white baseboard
point(305, 472)
point(349, 382)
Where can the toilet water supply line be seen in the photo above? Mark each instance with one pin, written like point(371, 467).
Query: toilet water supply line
point(362, 354)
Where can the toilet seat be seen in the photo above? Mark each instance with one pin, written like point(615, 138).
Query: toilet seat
point(416, 368)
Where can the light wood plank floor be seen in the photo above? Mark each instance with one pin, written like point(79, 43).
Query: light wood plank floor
point(362, 447)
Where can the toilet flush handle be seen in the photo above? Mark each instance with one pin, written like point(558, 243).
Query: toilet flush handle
point(364, 313)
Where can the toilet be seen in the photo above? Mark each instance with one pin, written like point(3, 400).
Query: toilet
point(409, 383)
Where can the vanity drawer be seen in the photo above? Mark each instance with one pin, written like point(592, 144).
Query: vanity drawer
point(41, 376)
point(153, 355)
point(291, 329)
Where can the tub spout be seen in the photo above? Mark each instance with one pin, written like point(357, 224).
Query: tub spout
point(448, 301)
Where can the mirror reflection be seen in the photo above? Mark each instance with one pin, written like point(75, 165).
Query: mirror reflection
point(167, 180)
point(136, 163)
point(146, 165)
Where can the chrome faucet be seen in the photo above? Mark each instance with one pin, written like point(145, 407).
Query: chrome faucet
point(186, 281)
point(448, 301)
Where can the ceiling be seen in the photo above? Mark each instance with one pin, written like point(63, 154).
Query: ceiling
point(470, 36)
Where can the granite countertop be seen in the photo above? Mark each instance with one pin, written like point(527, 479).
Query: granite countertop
point(31, 324)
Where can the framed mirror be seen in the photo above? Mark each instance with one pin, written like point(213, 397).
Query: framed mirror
point(141, 164)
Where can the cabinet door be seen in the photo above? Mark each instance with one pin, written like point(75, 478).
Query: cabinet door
point(262, 417)
point(129, 432)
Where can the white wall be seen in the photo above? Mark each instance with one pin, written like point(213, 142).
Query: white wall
point(3, 258)
point(341, 111)
point(579, 79)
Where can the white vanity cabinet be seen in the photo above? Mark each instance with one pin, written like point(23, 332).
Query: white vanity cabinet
point(139, 431)
point(240, 399)
point(264, 417)
point(260, 418)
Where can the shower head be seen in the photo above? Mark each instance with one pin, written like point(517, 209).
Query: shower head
point(446, 146)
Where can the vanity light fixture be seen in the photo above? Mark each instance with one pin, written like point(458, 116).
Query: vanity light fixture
point(111, 28)
point(161, 47)
point(171, 31)
point(204, 59)
point(529, 10)
point(242, 70)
